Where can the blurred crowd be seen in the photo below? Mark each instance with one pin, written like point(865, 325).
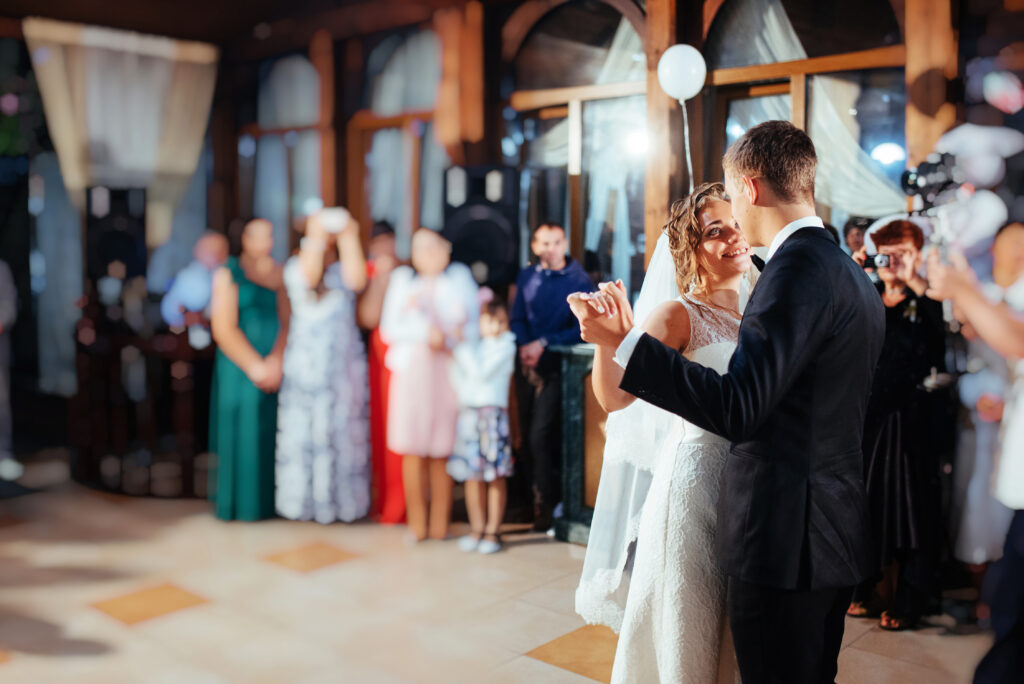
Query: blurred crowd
point(347, 385)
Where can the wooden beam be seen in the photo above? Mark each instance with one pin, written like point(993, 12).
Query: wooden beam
point(798, 99)
point(321, 54)
point(889, 56)
point(368, 121)
point(577, 229)
point(471, 73)
point(931, 64)
point(553, 113)
point(665, 173)
point(348, 21)
point(527, 100)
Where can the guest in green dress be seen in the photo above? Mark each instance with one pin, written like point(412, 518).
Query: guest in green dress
point(250, 325)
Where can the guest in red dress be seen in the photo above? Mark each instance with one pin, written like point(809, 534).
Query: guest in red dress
point(388, 498)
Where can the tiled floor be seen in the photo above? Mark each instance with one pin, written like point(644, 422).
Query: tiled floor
point(98, 588)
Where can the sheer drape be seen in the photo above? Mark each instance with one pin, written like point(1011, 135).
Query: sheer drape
point(58, 232)
point(606, 124)
point(286, 183)
point(759, 32)
point(405, 76)
point(124, 110)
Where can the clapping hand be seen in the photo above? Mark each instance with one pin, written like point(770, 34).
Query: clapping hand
point(945, 281)
point(605, 316)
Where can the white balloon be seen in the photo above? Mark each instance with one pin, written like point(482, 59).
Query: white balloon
point(682, 72)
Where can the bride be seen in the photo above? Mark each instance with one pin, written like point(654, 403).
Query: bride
point(660, 479)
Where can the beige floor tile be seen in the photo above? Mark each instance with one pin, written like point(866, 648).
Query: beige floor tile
point(517, 625)
point(559, 595)
point(524, 669)
point(862, 667)
point(856, 628)
point(150, 603)
point(587, 651)
point(311, 557)
point(956, 655)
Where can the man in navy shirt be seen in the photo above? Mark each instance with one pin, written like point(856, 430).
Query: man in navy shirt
point(541, 318)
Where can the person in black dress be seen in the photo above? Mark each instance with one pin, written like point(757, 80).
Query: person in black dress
point(902, 439)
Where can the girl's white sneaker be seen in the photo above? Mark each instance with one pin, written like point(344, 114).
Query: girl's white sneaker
point(469, 543)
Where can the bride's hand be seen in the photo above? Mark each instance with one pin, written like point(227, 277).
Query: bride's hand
point(602, 303)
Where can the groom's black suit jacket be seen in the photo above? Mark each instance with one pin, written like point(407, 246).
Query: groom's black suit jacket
point(792, 512)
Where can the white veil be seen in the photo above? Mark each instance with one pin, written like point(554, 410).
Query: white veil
point(634, 436)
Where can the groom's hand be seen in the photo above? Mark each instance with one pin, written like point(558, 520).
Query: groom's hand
point(605, 316)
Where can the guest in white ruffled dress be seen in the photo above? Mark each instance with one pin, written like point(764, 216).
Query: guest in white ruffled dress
point(323, 443)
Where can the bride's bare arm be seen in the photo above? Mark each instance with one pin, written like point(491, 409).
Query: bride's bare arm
point(668, 323)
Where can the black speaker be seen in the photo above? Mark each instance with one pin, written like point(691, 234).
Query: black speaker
point(115, 233)
point(480, 220)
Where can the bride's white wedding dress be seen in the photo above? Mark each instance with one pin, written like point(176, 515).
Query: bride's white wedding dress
point(673, 626)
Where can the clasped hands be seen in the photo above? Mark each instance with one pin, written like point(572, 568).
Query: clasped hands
point(605, 316)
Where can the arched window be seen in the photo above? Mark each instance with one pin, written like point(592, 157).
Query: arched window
point(279, 156)
point(576, 85)
point(767, 61)
point(396, 166)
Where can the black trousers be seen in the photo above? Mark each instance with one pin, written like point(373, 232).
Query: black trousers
point(787, 637)
point(540, 416)
point(1004, 592)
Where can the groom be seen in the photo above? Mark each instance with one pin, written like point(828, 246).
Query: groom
point(792, 514)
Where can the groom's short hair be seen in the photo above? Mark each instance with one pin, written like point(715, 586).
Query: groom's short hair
point(781, 154)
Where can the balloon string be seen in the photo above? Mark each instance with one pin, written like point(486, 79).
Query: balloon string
point(686, 144)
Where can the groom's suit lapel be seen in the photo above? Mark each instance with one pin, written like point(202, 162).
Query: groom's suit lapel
point(763, 280)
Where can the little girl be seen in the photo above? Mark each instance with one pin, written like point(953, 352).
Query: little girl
point(483, 457)
point(428, 309)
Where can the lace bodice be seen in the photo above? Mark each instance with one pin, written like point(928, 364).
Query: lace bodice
point(708, 326)
point(713, 336)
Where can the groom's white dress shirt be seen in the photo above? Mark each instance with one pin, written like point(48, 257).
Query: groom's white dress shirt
point(625, 349)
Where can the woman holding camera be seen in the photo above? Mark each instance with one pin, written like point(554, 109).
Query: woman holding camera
point(323, 440)
point(902, 437)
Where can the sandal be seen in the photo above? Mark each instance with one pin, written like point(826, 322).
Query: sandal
point(858, 609)
point(896, 624)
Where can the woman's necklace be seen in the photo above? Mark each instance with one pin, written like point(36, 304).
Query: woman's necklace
point(732, 312)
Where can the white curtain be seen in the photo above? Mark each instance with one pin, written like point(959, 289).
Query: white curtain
point(187, 227)
point(405, 77)
point(289, 96)
point(59, 241)
point(124, 110)
point(759, 32)
point(606, 149)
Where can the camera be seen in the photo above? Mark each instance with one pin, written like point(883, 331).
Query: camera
point(876, 261)
point(334, 219)
point(933, 178)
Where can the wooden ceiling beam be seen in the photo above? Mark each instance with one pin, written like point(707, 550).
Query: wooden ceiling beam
point(357, 19)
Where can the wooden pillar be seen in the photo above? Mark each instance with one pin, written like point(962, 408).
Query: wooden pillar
point(321, 54)
point(577, 229)
point(351, 88)
point(798, 97)
point(222, 195)
point(666, 168)
point(931, 63)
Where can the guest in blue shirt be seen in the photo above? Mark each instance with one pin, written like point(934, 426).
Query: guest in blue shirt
point(540, 318)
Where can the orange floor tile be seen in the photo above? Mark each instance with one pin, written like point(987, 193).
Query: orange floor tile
point(149, 603)
point(311, 557)
point(587, 651)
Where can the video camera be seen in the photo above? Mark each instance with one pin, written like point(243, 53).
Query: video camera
point(933, 180)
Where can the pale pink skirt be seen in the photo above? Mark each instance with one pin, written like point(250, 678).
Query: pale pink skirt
point(423, 409)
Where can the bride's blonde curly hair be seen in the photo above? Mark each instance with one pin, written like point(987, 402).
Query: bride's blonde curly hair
point(685, 234)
